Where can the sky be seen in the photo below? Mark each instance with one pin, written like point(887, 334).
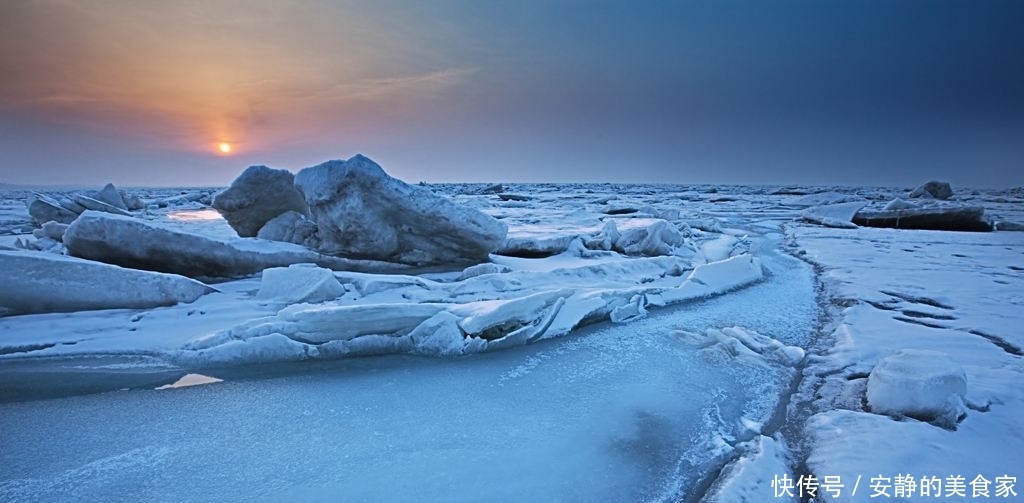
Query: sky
point(867, 92)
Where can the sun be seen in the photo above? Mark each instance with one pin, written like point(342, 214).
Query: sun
point(224, 147)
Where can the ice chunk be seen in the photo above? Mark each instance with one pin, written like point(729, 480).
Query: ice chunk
point(291, 227)
point(707, 224)
point(481, 269)
point(639, 236)
point(575, 310)
point(750, 477)
point(258, 195)
point(531, 245)
point(1008, 226)
point(933, 189)
point(331, 322)
point(185, 199)
point(361, 212)
point(834, 215)
point(265, 348)
point(93, 204)
point(497, 318)
point(68, 204)
point(42, 283)
point(935, 217)
point(825, 198)
point(299, 283)
point(135, 243)
point(494, 188)
point(369, 284)
point(44, 209)
point(646, 237)
point(42, 243)
point(366, 345)
point(719, 248)
point(751, 347)
point(513, 197)
point(629, 311)
point(918, 383)
point(320, 331)
point(109, 194)
point(132, 201)
point(439, 335)
point(900, 204)
point(54, 230)
point(716, 278)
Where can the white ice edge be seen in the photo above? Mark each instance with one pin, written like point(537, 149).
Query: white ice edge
point(332, 330)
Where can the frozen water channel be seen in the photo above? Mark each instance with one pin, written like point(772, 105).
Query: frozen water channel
point(624, 412)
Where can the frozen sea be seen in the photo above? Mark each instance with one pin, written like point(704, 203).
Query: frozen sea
point(680, 401)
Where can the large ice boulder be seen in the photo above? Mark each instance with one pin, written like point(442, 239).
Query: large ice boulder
point(139, 244)
point(299, 283)
point(361, 212)
point(916, 383)
point(932, 190)
point(258, 195)
point(45, 282)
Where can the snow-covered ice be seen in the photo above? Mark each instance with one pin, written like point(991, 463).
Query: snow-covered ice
point(955, 298)
point(624, 343)
point(36, 282)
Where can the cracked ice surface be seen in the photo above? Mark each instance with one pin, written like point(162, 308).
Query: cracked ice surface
point(624, 412)
point(959, 295)
point(645, 409)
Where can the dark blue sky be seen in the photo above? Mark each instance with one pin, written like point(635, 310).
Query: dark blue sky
point(817, 92)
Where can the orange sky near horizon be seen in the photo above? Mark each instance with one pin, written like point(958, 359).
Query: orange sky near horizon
point(186, 76)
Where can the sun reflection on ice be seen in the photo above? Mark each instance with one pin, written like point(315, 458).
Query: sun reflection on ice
point(194, 215)
point(190, 380)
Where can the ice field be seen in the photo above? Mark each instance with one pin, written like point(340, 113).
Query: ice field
point(625, 343)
